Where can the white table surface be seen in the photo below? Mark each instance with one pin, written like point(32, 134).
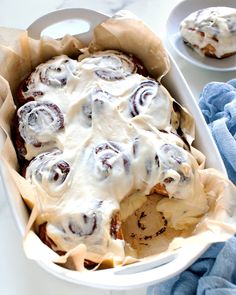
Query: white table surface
point(19, 275)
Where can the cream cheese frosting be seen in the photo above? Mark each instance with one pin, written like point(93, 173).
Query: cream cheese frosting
point(211, 31)
point(98, 133)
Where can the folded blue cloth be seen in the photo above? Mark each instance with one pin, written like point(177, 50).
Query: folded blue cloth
point(214, 273)
point(218, 105)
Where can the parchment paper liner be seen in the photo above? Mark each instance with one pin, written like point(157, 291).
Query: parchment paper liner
point(19, 55)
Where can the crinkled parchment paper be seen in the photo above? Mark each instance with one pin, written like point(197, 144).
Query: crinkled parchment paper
point(18, 57)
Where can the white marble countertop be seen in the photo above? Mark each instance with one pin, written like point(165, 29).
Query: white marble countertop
point(18, 274)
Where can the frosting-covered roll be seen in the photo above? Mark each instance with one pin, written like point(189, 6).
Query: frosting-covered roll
point(62, 230)
point(211, 31)
point(112, 66)
point(38, 122)
point(141, 98)
point(49, 171)
point(55, 75)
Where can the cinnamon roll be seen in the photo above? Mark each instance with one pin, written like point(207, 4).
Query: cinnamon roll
point(62, 230)
point(38, 124)
point(107, 156)
point(113, 65)
point(141, 99)
point(49, 170)
point(211, 31)
point(54, 74)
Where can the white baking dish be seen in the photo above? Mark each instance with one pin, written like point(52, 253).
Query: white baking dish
point(143, 273)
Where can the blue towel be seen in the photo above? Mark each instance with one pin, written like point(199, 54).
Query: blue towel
point(218, 105)
point(214, 273)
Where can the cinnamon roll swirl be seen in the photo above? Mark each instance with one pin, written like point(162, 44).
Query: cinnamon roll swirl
point(39, 121)
point(49, 170)
point(107, 156)
point(54, 74)
point(141, 99)
point(114, 65)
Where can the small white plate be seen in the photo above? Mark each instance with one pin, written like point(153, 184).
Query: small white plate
point(182, 10)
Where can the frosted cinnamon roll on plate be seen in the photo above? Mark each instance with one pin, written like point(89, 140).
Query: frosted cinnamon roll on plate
point(211, 31)
point(201, 29)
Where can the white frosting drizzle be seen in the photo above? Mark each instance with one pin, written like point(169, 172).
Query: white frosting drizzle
point(215, 26)
point(119, 137)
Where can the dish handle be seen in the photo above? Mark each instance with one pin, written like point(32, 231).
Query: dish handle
point(78, 22)
point(131, 276)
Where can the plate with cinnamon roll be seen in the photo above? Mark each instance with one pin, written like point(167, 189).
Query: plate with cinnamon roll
point(101, 147)
point(204, 33)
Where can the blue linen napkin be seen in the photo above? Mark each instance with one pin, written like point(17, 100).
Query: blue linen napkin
point(218, 105)
point(214, 273)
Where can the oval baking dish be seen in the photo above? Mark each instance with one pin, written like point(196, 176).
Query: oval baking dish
point(149, 271)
